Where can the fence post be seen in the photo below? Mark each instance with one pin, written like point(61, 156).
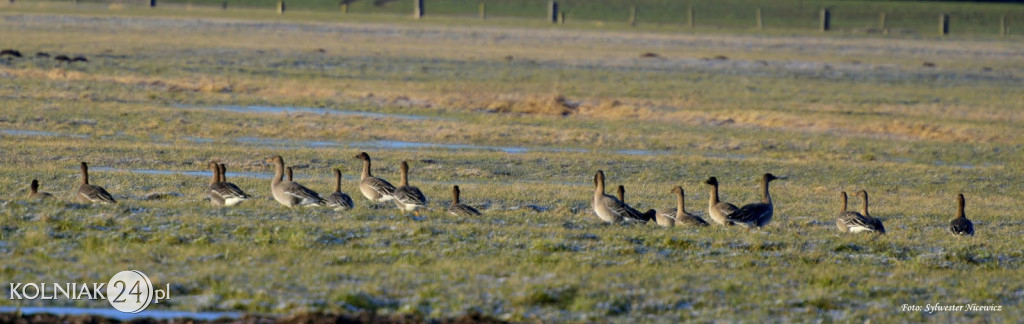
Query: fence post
point(632, 16)
point(689, 16)
point(553, 11)
point(944, 24)
point(760, 22)
point(483, 11)
point(826, 20)
point(280, 7)
point(417, 9)
point(1002, 26)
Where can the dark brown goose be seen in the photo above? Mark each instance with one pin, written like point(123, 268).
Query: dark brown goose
point(339, 200)
point(851, 221)
point(223, 193)
point(408, 198)
point(961, 226)
point(290, 193)
point(88, 193)
point(34, 191)
point(459, 209)
point(756, 214)
point(718, 209)
point(373, 188)
point(874, 224)
point(632, 212)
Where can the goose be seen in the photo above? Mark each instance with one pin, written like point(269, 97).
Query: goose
point(608, 208)
point(681, 217)
point(88, 193)
point(874, 223)
point(373, 188)
point(718, 209)
point(960, 225)
point(756, 214)
point(408, 198)
point(34, 191)
point(633, 213)
point(851, 221)
point(339, 200)
point(457, 208)
point(223, 193)
point(290, 193)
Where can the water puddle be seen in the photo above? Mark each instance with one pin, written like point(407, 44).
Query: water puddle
point(308, 110)
point(204, 174)
point(124, 317)
point(21, 132)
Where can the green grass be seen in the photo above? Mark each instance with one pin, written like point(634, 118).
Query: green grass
point(831, 113)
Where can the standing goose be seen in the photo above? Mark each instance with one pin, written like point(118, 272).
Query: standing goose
point(718, 209)
point(961, 225)
point(875, 224)
point(223, 193)
point(457, 208)
point(339, 200)
point(851, 221)
point(682, 218)
point(373, 188)
point(88, 193)
point(34, 191)
point(408, 198)
point(608, 208)
point(632, 212)
point(290, 193)
point(756, 214)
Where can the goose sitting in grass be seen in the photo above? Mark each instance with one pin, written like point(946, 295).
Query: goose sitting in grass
point(874, 224)
point(339, 200)
point(223, 193)
point(756, 214)
point(34, 192)
point(681, 217)
point(373, 188)
point(88, 193)
point(290, 193)
point(459, 209)
point(633, 213)
point(961, 226)
point(608, 208)
point(851, 221)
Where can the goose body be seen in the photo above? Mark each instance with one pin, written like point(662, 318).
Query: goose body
point(34, 191)
point(873, 224)
point(632, 213)
point(408, 198)
point(223, 193)
point(756, 214)
point(851, 221)
point(339, 200)
point(608, 208)
point(718, 210)
point(88, 193)
point(961, 226)
point(457, 208)
point(291, 193)
point(373, 188)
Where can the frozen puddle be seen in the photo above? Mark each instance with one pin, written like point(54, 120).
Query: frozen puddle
point(124, 317)
point(309, 110)
point(20, 132)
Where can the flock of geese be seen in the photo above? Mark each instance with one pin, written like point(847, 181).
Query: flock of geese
point(610, 209)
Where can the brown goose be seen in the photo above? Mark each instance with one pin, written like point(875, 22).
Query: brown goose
point(682, 218)
point(633, 213)
point(339, 200)
point(290, 193)
point(223, 193)
point(756, 214)
point(608, 208)
point(408, 198)
point(34, 191)
point(874, 224)
point(960, 225)
point(457, 208)
point(373, 188)
point(718, 209)
point(88, 193)
point(851, 221)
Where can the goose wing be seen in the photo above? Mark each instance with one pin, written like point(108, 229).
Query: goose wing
point(227, 190)
point(689, 219)
point(302, 193)
point(726, 208)
point(340, 200)
point(463, 210)
point(381, 186)
point(749, 214)
point(409, 195)
point(95, 193)
point(855, 222)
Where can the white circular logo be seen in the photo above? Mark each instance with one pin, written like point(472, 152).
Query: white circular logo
point(130, 291)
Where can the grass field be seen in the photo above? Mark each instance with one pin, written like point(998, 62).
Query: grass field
point(520, 118)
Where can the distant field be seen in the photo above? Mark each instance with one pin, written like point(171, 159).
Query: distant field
point(521, 118)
